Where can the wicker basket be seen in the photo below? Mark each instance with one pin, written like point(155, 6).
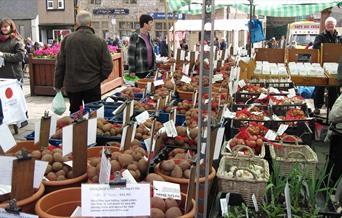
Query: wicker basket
point(289, 156)
point(246, 187)
point(236, 149)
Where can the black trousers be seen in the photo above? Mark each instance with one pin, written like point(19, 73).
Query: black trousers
point(319, 96)
point(86, 96)
point(335, 157)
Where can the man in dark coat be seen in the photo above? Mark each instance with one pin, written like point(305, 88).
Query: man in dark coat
point(82, 64)
point(329, 35)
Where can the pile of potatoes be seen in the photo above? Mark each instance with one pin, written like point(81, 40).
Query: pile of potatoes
point(132, 159)
point(142, 106)
point(143, 131)
point(130, 91)
point(161, 92)
point(167, 208)
point(186, 137)
point(56, 169)
point(105, 128)
point(179, 153)
point(61, 122)
point(175, 168)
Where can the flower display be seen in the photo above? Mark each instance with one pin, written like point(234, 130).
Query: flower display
point(52, 52)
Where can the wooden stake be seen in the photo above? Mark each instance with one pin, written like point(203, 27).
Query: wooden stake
point(44, 135)
point(191, 189)
point(2, 151)
point(128, 138)
point(212, 145)
point(79, 148)
point(22, 179)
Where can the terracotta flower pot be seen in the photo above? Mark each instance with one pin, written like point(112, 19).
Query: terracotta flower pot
point(185, 182)
point(141, 83)
point(59, 204)
point(27, 205)
point(49, 185)
point(184, 95)
point(192, 212)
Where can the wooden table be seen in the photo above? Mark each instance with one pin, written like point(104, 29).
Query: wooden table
point(42, 73)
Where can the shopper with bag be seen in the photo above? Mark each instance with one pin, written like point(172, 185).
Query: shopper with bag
point(12, 51)
point(82, 64)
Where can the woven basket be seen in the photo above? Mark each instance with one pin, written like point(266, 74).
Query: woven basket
point(246, 187)
point(289, 156)
point(237, 148)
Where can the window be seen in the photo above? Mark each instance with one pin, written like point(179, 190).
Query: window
point(96, 2)
point(130, 1)
point(49, 5)
point(126, 28)
point(104, 24)
point(60, 4)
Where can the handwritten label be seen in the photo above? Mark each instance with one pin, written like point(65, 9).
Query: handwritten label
point(292, 93)
point(91, 136)
point(271, 135)
point(105, 168)
point(262, 96)
point(67, 139)
point(39, 170)
point(7, 140)
point(274, 90)
point(186, 69)
point(282, 128)
point(36, 132)
point(100, 112)
point(158, 82)
point(170, 128)
point(166, 190)
point(242, 83)
point(224, 207)
point(186, 79)
point(128, 176)
point(142, 117)
point(99, 200)
point(5, 214)
point(53, 125)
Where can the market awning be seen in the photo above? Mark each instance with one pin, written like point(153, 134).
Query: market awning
point(283, 8)
point(222, 25)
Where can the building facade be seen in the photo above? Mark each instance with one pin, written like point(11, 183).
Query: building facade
point(56, 19)
point(25, 15)
point(121, 17)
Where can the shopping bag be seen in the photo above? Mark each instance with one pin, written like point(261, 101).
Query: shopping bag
point(58, 104)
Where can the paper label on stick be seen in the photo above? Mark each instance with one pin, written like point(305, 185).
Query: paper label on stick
point(7, 140)
point(166, 190)
point(292, 93)
point(148, 144)
point(186, 79)
point(53, 125)
point(288, 200)
point(262, 96)
point(36, 132)
point(158, 82)
point(228, 114)
point(5, 214)
point(119, 109)
point(170, 128)
point(271, 135)
point(91, 131)
point(282, 128)
point(224, 208)
point(39, 171)
point(255, 203)
point(182, 55)
point(105, 168)
point(109, 100)
point(77, 212)
point(142, 117)
point(6, 168)
point(218, 143)
point(128, 176)
point(100, 112)
point(123, 137)
point(186, 68)
point(242, 83)
point(99, 200)
point(69, 163)
point(67, 139)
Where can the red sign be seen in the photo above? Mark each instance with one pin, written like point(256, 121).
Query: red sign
point(9, 93)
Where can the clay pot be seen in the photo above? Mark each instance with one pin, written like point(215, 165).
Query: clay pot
point(27, 205)
point(59, 204)
point(185, 182)
point(142, 83)
point(184, 95)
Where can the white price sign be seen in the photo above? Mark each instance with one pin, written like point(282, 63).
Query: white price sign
point(166, 190)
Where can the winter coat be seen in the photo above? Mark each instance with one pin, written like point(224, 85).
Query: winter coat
point(83, 61)
point(137, 54)
point(13, 50)
point(335, 117)
point(339, 71)
point(326, 37)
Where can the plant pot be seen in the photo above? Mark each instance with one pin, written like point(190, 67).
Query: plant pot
point(59, 204)
point(142, 83)
point(27, 205)
point(192, 212)
point(185, 182)
point(94, 152)
point(184, 95)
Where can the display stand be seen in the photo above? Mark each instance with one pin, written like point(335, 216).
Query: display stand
point(45, 123)
point(79, 148)
point(272, 55)
point(331, 53)
point(303, 55)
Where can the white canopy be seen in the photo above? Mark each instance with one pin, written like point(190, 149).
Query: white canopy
point(223, 25)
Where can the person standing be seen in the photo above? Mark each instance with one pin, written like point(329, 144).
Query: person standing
point(329, 35)
point(12, 51)
point(141, 58)
point(223, 44)
point(82, 64)
point(164, 52)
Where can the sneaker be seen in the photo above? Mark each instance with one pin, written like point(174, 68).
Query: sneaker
point(316, 111)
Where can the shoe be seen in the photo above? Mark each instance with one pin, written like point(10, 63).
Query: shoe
point(316, 111)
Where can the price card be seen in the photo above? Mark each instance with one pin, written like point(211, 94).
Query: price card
point(262, 96)
point(142, 117)
point(99, 200)
point(224, 207)
point(6, 167)
point(229, 114)
point(186, 79)
point(282, 128)
point(182, 55)
point(242, 83)
point(100, 112)
point(123, 138)
point(288, 200)
point(166, 190)
point(158, 82)
point(39, 170)
point(67, 139)
point(217, 77)
point(170, 128)
point(109, 100)
point(292, 93)
point(128, 176)
point(274, 90)
point(36, 132)
point(271, 135)
point(5, 214)
point(218, 143)
point(186, 69)
point(148, 87)
point(173, 67)
point(91, 136)
point(148, 144)
point(53, 125)
point(105, 168)
point(7, 140)
point(255, 203)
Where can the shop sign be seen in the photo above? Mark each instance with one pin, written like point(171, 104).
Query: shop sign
point(161, 16)
point(111, 11)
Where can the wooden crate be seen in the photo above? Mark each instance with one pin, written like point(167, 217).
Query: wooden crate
point(309, 81)
point(42, 73)
point(293, 54)
point(272, 55)
point(330, 52)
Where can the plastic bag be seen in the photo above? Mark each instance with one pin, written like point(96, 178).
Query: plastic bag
point(58, 104)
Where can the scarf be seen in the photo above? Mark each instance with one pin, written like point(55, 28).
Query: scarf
point(5, 37)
